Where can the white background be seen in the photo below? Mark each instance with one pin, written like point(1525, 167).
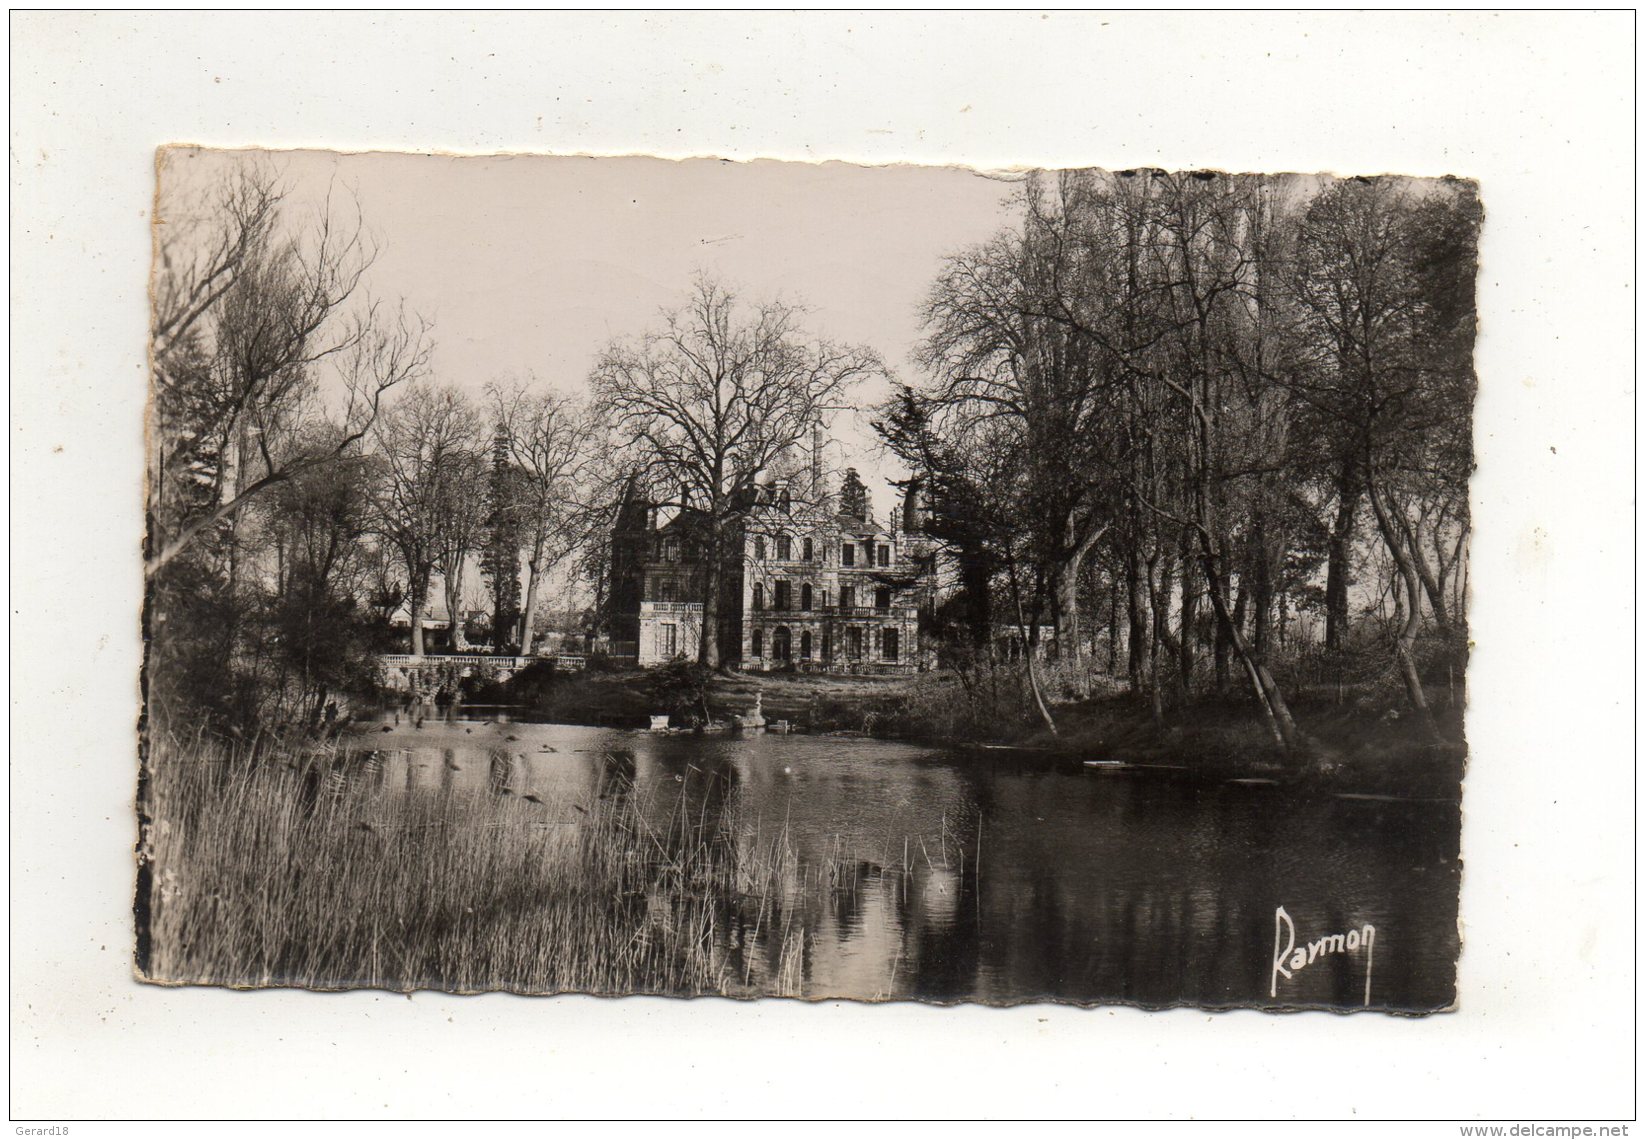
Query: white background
point(1539, 108)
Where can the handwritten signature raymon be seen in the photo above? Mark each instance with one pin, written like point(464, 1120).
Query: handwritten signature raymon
point(1291, 958)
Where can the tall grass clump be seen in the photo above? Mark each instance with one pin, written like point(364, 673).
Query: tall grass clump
point(275, 869)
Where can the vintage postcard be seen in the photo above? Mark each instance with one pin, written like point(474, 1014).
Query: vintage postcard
point(627, 576)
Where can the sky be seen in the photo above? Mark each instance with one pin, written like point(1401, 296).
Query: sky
point(529, 265)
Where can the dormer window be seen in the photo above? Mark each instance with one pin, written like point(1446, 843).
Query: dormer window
point(784, 501)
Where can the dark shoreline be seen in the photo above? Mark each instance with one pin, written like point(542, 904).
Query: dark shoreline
point(1364, 748)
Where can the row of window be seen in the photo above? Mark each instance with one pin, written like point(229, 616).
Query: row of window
point(665, 589)
point(871, 553)
point(782, 597)
point(887, 644)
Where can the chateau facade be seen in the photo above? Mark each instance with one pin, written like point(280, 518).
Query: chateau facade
point(805, 584)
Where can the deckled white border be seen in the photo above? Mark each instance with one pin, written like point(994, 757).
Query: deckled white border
point(1537, 107)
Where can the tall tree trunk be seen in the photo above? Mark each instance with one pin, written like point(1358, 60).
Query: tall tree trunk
point(1113, 627)
point(1070, 641)
point(1262, 589)
point(1459, 576)
point(1224, 645)
point(1028, 655)
point(1350, 488)
point(708, 648)
point(1275, 712)
point(1036, 612)
point(1405, 638)
point(528, 621)
point(418, 598)
point(1159, 598)
point(454, 600)
point(1190, 614)
point(1065, 596)
point(1137, 610)
point(1070, 637)
point(1432, 585)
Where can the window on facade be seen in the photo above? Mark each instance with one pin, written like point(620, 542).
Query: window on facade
point(805, 645)
point(882, 597)
point(848, 554)
point(805, 596)
point(759, 595)
point(668, 639)
point(756, 644)
point(780, 643)
point(868, 554)
point(848, 597)
point(891, 638)
point(807, 550)
point(825, 597)
point(671, 550)
point(779, 598)
point(828, 647)
point(885, 555)
point(759, 546)
point(668, 590)
point(785, 547)
point(853, 641)
point(784, 501)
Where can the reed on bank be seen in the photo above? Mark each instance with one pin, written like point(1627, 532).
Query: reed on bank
point(286, 868)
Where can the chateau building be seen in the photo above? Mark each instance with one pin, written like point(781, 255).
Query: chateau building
point(805, 584)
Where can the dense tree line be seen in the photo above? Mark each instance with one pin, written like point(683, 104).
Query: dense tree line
point(309, 479)
point(1188, 430)
point(1202, 405)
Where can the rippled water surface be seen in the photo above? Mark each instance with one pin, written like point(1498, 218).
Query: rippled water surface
point(977, 875)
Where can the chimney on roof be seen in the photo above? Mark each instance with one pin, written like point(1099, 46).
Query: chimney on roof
point(816, 460)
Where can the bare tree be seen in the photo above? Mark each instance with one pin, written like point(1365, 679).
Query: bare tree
point(548, 439)
point(461, 524)
point(1391, 374)
point(1008, 341)
point(425, 444)
point(711, 399)
point(253, 313)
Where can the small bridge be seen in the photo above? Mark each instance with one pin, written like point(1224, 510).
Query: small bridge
point(423, 673)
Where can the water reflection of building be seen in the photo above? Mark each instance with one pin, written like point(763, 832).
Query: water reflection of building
point(876, 879)
point(807, 584)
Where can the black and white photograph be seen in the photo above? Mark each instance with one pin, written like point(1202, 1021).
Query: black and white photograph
point(622, 576)
point(811, 565)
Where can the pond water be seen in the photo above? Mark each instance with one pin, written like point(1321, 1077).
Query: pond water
point(997, 876)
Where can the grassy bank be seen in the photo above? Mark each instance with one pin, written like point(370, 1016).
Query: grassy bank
point(629, 698)
point(1359, 737)
point(273, 870)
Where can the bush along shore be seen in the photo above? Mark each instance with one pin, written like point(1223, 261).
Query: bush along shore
point(1357, 736)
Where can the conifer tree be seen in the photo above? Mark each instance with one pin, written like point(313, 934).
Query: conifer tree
point(854, 496)
point(500, 557)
